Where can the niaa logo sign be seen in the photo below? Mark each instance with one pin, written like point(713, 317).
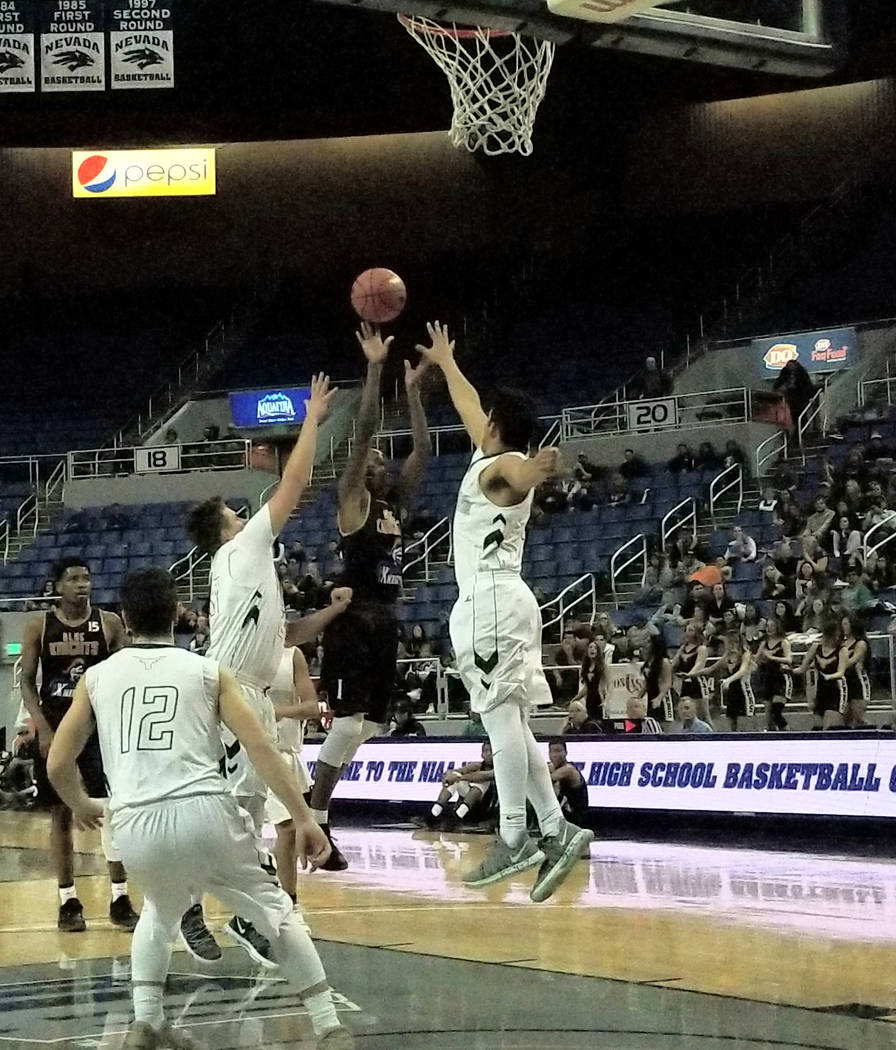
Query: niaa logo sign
point(144, 173)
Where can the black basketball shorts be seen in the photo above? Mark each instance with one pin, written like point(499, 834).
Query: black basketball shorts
point(360, 654)
point(90, 764)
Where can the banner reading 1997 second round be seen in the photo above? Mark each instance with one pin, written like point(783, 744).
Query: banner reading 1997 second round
point(141, 44)
point(17, 46)
point(72, 45)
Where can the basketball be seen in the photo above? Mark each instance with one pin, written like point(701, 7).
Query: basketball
point(378, 295)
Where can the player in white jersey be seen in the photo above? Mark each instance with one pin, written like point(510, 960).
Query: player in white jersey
point(496, 624)
point(156, 708)
point(247, 628)
point(295, 702)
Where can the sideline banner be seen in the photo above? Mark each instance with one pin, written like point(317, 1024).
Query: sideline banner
point(832, 775)
point(17, 18)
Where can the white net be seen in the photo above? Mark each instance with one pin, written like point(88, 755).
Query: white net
point(497, 81)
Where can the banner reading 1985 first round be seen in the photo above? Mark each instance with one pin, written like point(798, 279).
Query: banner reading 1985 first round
point(17, 46)
point(141, 44)
point(72, 45)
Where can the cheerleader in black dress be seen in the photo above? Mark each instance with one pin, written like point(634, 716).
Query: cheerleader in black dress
point(830, 688)
point(688, 663)
point(774, 659)
point(858, 684)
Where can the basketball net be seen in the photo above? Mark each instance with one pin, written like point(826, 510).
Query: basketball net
point(497, 81)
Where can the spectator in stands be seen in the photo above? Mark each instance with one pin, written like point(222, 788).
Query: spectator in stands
point(785, 559)
point(618, 492)
point(684, 461)
point(784, 612)
point(814, 555)
point(650, 592)
point(80, 521)
point(774, 582)
point(707, 457)
point(855, 597)
point(806, 584)
point(741, 546)
point(657, 671)
point(45, 600)
point(878, 515)
point(852, 496)
point(814, 613)
point(768, 501)
point(593, 681)
point(334, 566)
point(697, 596)
point(199, 642)
point(418, 523)
point(872, 493)
point(733, 454)
point(406, 723)
point(297, 553)
point(819, 521)
point(876, 449)
point(668, 612)
point(186, 619)
point(880, 571)
point(550, 496)
point(793, 521)
point(315, 661)
point(416, 640)
point(471, 786)
point(797, 388)
point(632, 466)
point(564, 682)
point(637, 719)
point(719, 603)
point(622, 649)
point(578, 722)
point(690, 723)
point(655, 383)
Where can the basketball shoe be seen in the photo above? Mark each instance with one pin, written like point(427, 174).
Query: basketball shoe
point(560, 854)
point(500, 862)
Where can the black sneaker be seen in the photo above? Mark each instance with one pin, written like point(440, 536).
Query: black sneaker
point(197, 937)
point(251, 941)
point(71, 917)
point(122, 914)
point(336, 861)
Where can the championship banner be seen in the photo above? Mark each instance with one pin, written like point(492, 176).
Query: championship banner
point(141, 45)
point(72, 45)
point(17, 18)
point(835, 775)
point(827, 350)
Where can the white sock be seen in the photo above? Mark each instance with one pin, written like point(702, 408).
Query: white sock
point(540, 788)
point(322, 816)
point(436, 810)
point(67, 893)
point(504, 725)
point(462, 810)
point(119, 889)
point(322, 1012)
point(148, 1005)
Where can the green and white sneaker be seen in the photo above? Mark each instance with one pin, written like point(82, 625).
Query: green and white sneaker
point(501, 862)
point(560, 855)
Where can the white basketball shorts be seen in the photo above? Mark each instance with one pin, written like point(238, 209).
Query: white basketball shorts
point(238, 770)
point(495, 629)
point(274, 810)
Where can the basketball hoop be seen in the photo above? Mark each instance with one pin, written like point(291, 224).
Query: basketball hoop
point(497, 81)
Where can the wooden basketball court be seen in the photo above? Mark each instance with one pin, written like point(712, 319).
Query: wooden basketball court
point(647, 945)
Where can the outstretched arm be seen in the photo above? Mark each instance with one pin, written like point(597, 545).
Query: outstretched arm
point(353, 494)
point(463, 393)
point(415, 465)
point(306, 629)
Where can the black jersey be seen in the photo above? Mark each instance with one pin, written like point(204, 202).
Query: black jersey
point(373, 554)
point(65, 654)
point(574, 801)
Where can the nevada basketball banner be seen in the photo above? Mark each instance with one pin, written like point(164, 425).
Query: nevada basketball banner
point(822, 351)
point(141, 45)
point(17, 18)
point(72, 45)
point(143, 173)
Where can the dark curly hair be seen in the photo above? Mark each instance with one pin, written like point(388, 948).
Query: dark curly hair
point(204, 525)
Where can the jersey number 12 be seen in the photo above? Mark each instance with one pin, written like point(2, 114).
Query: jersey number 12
point(142, 728)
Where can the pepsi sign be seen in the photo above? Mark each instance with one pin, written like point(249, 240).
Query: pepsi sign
point(143, 173)
point(826, 350)
point(284, 406)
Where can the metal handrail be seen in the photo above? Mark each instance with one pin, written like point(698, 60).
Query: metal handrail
point(808, 416)
point(617, 570)
point(389, 436)
point(193, 455)
point(666, 532)
point(4, 540)
point(772, 453)
point(867, 547)
point(554, 433)
point(56, 481)
point(736, 475)
point(590, 593)
point(428, 542)
point(27, 511)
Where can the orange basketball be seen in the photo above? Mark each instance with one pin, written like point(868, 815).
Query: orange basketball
point(378, 295)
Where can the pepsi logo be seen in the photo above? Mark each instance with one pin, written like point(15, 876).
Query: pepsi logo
point(96, 174)
point(780, 354)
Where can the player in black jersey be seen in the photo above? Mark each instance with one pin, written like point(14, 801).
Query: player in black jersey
point(572, 791)
point(63, 643)
point(361, 647)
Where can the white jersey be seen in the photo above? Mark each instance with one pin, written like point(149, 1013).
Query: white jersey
point(247, 619)
point(487, 537)
point(156, 710)
point(290, 731)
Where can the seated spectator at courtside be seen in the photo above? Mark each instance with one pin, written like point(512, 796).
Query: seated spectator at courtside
point(632, 466)
point(569, 784)
point(741, 547)
point(636, 720)
point(774, 582)
point(690, 723)
point(406, 723)
point(578, 723)
point(683, 461)
point(470, 787)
